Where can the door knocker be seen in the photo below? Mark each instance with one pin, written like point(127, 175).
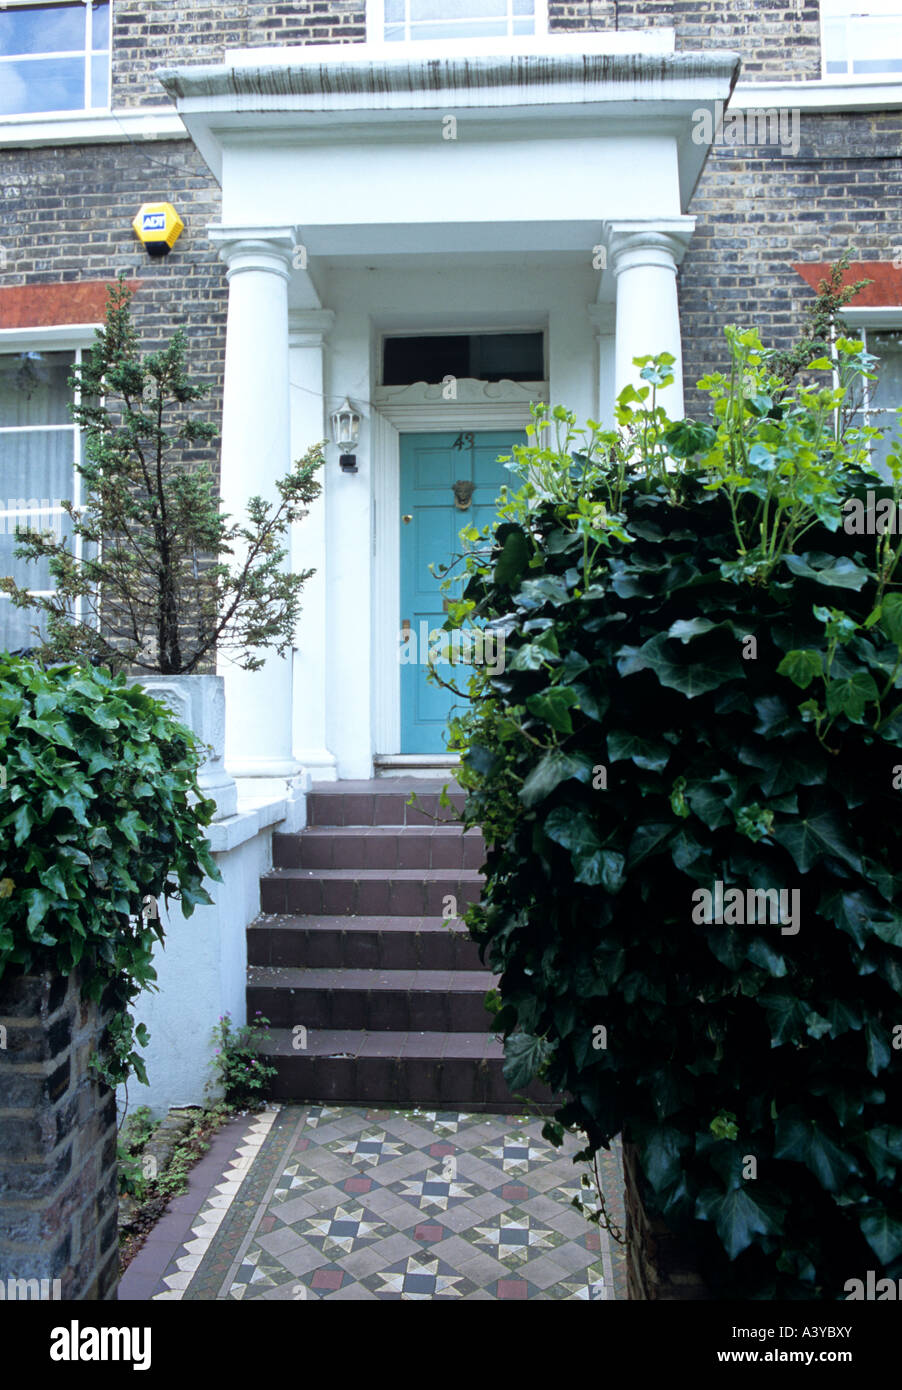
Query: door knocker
point(463, 491)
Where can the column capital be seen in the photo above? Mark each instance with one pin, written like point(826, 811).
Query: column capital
point(256, 248)
point(309, 327)
point(657, 241)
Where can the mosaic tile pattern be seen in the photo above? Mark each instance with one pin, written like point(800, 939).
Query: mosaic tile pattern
point(349, 1203)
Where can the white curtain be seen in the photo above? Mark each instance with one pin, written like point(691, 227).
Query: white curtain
point(37, 451)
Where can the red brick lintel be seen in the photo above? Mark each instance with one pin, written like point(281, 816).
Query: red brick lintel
point(885, 291)
point(46, 306)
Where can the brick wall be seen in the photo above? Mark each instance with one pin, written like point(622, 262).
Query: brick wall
point(158, 33)
point(778, 40)
point(659, 1266)
point(760, 210)
point(58, 1185)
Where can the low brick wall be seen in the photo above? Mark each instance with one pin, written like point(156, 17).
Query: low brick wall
point(58, 1183)
point(659, 1265)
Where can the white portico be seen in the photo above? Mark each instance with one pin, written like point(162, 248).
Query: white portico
point(538, 187)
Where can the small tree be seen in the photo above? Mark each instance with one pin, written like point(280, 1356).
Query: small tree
point(162, 576)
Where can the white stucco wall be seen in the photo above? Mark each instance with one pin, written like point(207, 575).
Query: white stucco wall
point(202, 969)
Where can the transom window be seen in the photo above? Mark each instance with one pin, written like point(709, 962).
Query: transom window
point(438, 357)
point(39, 447)
point(862, 38)
point(54, 57)
point(399, 21)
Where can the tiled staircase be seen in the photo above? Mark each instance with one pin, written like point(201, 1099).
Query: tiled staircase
point(374, 997)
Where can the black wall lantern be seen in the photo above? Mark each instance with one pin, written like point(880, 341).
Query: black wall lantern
point(346, 434)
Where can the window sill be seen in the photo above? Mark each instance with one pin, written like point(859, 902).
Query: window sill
point(843, 94)
point(92, 127)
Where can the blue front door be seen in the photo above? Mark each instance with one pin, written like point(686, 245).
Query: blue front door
point(431, 465)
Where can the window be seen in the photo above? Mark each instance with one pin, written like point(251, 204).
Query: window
point(54, 57)
point(882, 398)
point(861, 38)
point(39, 446)
point(484, 356)
point(404, 20)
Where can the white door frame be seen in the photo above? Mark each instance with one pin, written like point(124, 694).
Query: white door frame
point(418, 409)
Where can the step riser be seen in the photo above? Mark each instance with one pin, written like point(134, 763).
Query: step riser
point(456, 1083)
point(381, 808)
point(422, 1011)
point(365, 898)
point(318, 949)
point(405, 850)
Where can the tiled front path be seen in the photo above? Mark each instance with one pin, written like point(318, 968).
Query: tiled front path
point(304, 1202)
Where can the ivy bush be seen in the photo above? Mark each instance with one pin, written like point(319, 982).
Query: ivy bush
point(703, 686)
point(101, 818)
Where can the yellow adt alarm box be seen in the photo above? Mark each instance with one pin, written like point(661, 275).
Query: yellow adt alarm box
point(159, 226)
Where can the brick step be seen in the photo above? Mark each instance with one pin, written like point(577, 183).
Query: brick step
point(393, 1000)
point(374, 943)
point(379, 847)
point(368, 892)
point(453, 1070)
point(371, 803)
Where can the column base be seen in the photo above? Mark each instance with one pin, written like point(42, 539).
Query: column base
point(292, 790)
point(319, 763)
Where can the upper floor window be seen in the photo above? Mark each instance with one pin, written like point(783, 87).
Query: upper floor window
point(862, 38)
point(54, 57)
point(404, 20)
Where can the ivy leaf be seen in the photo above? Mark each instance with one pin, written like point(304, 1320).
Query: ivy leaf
point(513, 559)
point(802, 667)
point(883, 1235)
point(737, 1218)
point(556, 767)
point(878, 1050)
point(650, 753)
point(849, 695)
point(593, 864)
point(891, 618)
point(786, 1017)
point(524, 1056)
point(660, 1153)
point(554, 706)
point(803, 1139)
point(811, 837)
point(690, 678)
point(836, 573)
point(529, 657)
point(685, 629)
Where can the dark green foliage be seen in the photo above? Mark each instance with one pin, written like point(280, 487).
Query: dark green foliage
point(638, 747)
point(237, 1065)
point(101, 818)
point(155, 577)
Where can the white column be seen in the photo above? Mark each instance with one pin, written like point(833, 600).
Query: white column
point(644, 255)
point(256, 452)
point(308, 330)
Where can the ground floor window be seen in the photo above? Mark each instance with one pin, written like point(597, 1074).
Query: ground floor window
point(882, 399)
point(39, 450)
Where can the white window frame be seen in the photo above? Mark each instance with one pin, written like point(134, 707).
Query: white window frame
point(877, 318)
point(838, 11)
point(375, 31)
point(75, 338)
point(86, 54)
